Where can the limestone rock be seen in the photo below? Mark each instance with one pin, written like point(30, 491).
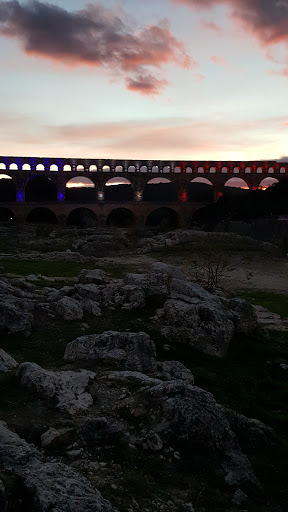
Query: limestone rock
point(174, 370)
point(3, 502)
point(53, 437)
point(126, 296)
point(203, 325)
point(15, 314)
point(121, 350)
point(55, 487)
point(13, 450)
point(244, 315)
point(99, 431)
point(6, 362)
point(69, 309)
point(67, 388)
point(96, 276)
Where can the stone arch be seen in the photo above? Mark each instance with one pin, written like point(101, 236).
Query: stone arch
point(40, 189)
point(118, 189)
point(41, 216)
point(54, 167)
point(213, 170)
point(200, 170)
point(236, 170)
point(2, 167)
point(271, 170)
point(119, 168)
point(93, 168)
point(155, 169)
point(80, 189)
point(166, 169)
point(67, 168)
point(160, 190)
point(236, 183)
point(80, 168)
point(163, 218)
point(267, 182)
point(13, 167)
point(7, 189)
point(6, 215)
point(40, 167)
point(177, 169)
point(26, 167)
point(82, 218)
point(143, 168)
point(248, 170)
point(259, 170)
point(106, 168)
point(131, 168)
point(120, 218)
point(224, 169)
point(283, 170)
point(200, 190)
point(189, 170)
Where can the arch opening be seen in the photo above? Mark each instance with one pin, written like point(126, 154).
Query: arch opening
point(119, 168)
point(53, 167)
point(41, 216)
point(80, 168)
point(93, 168)
point(118, 189)
point(80, 190)
point(67, 168)
point(40, 189)
point(120, 218)
point(26, 167)
point(267, 182)
point(2, 167)
point(40, 167)
point(200, 190)
point(7, 189)
point(160, 190)
point(235, 187)
point(6, 215)
point(82, 218)
point(164, 218)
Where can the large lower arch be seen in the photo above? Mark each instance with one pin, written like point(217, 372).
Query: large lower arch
point(82, 218)
point(200, 190)
point(41, 216)
point(160, 190)
point(6, 215)
point(118, 189)
point(120, 218)
point(80, 190)
point(268, 182)
point(236, 183)
point(164, 218)
point(7, 189)
point(40, 189)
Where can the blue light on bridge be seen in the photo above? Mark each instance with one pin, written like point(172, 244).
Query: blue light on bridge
point(20, 196)
point(61, 196)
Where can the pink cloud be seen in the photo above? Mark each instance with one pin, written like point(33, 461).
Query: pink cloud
point(219, 61)
point(97, 37)
point(210, 25)
point(266, 19)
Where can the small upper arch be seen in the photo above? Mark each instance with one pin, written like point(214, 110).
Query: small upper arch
point(26, 167)
point(13, 167)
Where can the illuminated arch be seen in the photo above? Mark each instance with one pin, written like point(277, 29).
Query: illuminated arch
point(82, 218)
point(7, 189)
point(41, 216)
point(166, 169)
point(224, 170)
point(119, 168)
point(200, 170)
point(177, 169)
point(143, 168)
point(155, 168)
point(268, 182)
point(118, 189)
point(80, 189)
point(236, 183)
point(120, 218)
point(200, 190)
point(93, 168)
point(13, 167)
point(189, 170)
point(131, 168)
point(67, 168)
point(40, 167)
point(40, 189)
point(164, 218)
point(212, 170)
point(53, 167)
point(202, 180)
point(26, 167)
point(160, 190)
point(106, 168)
point(80, 168)
point(2, 167)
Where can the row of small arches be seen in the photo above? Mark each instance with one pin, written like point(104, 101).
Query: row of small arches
point(132, 168)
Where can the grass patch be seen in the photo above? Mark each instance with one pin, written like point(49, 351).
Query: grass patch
point(275, 302)
point(62, 268)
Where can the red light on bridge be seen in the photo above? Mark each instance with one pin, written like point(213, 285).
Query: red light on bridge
point(184, 196)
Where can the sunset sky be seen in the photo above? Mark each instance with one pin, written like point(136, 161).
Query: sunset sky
point(155, 79)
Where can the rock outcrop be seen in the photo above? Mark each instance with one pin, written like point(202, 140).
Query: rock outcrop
point(66, 388)
point(6, 362)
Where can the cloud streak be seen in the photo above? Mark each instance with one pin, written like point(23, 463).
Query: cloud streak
point(266, 19)
point(97, 37)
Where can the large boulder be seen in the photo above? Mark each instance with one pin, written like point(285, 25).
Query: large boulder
point(15, 314)
point(55, 487)
point(121, 295)
point(120, 350)
point(14, 451)
point(244, 315)
point(189, 416)
point(67, 388)
point(6, 362)
point(202, 325)
point(69, 309)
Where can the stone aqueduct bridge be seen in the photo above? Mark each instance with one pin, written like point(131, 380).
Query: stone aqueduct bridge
point(138, 172)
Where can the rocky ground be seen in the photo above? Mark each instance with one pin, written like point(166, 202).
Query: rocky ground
point(138, 390)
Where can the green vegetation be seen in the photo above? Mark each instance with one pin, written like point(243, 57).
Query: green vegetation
point(275, 302)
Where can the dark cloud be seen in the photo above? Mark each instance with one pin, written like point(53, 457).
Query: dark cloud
point(94, 36)
point(268, 19)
